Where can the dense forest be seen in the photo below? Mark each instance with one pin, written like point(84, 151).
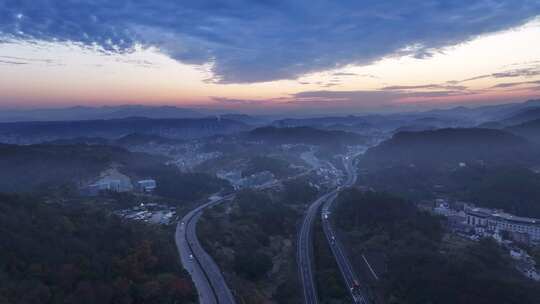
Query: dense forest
point(423, 265)
point(445, 148)
point(252, 238)
point(490, 168)
point(280, 168)
point(78, 254)
point(512, 188)
point(25, 168)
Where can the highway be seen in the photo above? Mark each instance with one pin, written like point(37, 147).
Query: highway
point(347, 271)
point(304, 250)
point(204, 272)
point(208, 279)
point(305, 246)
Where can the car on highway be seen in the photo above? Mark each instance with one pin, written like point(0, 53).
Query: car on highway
point(355, 289)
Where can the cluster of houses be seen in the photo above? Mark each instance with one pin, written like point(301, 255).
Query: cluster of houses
point(152, 213)
point(475, 223)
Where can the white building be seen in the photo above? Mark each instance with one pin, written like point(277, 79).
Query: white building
point(520, 228)
point(107, 185)
point(147, 185)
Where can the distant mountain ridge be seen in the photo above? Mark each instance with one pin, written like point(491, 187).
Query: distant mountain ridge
point(529, 130)
point(35, 132)
point(487, 113)
point(96, 113)
point(525, 115)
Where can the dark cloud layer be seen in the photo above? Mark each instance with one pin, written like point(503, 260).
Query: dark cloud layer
point(262, 40)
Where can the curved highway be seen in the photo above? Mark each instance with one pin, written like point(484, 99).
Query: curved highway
point(305, 247)
point(204, 272)
point(305, 250)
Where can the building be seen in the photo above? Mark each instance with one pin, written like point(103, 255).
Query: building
point(521, 229)
point(111, 185)
point(147, 185)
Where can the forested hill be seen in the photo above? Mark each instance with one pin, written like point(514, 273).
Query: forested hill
point(529, 130)
point(306, 135)
point(422, 265)
point(25, 168)
point(445, 146)
point(44, 167)
point(73, 254)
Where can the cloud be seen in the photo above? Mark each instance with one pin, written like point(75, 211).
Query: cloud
point(330, 84)
point(239, 102)
point(348, 74)
point(344, 74)
point(137, 62)
point(425, 86)
point(8, 62)
point(258, 40)
point(522, 72)
point(526, 72)
point(515, 84)
point(367, 98)
point(23, 61)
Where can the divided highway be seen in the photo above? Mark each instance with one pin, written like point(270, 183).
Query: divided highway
point(305, 246)
point(305, 250)
point(343, 262)
point(204, 272)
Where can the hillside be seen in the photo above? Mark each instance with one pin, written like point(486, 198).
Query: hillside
point(529, 130)
point(124, 141)
point(305, 135)
point(26, 168)
point(525, 115)
point(449, 146)
point(36, 132)
point(141, 139)
point(45, 167)
point(420, 264)
point(76, 254)
point(488, 167)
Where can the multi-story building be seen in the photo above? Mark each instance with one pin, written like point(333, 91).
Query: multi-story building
point(522, 229)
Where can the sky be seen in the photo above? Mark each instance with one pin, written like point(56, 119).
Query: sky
point(264, 56)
